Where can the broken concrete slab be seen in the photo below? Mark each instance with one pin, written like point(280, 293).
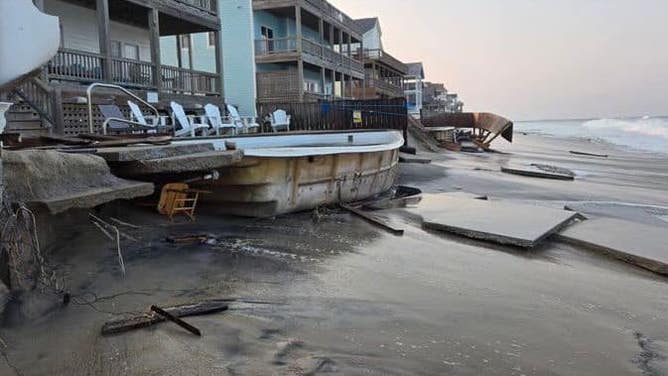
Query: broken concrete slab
point(150, 152)
point(64, 181)
point(408, 158)
point(646, 214)
point(205, 161)
point(539, 171)
point(496, 221)
point(642, 245)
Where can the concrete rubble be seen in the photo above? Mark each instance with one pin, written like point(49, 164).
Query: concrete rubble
point(62, 181)
point(495, 221)
point(642, 245)
point(540, 171)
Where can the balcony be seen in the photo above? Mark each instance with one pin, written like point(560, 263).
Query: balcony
point(386, 59)
point(86, 67)
point(385, 87)
point(273, 50)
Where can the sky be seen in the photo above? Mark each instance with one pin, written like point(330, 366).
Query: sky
point(534, 59)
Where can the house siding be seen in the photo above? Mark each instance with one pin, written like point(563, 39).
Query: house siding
point(80, 31)
point(238, 54)
point(372, 38)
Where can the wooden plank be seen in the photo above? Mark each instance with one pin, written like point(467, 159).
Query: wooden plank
point(176, 320)
point(148, 319)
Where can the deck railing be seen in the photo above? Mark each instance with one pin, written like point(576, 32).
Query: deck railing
point(384, 57)
point(133, 73)
point(275, 45)
point(267, 47)
point(76, 66)
point(86, 67)
point(206, 5)
point(388, 87)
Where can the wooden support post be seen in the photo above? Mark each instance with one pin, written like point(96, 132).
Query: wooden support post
point(104, 30)
point(57, 105)
point(333, 83)
point(341, 44)
point(220, 81)
point(190, 63)
point(154, 31)
point(179, 63)
point(323, 80)
point(300, 50)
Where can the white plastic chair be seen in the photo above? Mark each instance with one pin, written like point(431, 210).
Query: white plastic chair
point(280, 120)
point(188, 125)
point(139, 117)
point(216, 120)
point(245, 123)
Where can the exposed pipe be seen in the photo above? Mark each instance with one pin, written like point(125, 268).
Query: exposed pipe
point(89, 100)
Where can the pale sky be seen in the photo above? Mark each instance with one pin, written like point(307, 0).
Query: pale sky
point(534, 59)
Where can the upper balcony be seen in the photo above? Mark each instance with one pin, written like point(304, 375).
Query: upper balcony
point(382, 57)
point(281, 49)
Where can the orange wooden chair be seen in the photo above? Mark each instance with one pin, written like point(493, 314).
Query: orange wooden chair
point(176, 198)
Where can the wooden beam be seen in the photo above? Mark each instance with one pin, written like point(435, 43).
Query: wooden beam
point(154, 32)
point(298, 31)
point(219, 64)
point(104, 29)
point(179, 63)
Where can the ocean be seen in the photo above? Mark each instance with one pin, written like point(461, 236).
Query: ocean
point(645, 133)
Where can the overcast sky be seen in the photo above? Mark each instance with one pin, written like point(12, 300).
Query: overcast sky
point(534, 59)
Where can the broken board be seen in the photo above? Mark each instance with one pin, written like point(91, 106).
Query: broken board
point(495, 221)
point(642, 245)
point(537, 172)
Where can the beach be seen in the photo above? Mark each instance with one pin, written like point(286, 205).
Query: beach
point(326, 292)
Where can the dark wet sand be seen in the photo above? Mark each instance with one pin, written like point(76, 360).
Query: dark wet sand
point(331, 293)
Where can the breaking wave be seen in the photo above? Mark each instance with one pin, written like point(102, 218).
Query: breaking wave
point(646, 126)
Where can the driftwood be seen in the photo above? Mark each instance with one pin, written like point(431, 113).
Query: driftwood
point(176, 320)
point(374, 220)
point(151, 318)
point(200, 238)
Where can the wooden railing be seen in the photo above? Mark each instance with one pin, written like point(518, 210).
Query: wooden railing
point(180, 80)
point(340, 114)
point(205, 5)
point(387, 59)
point(275, 46)
point(39, 97)
point(76, 66)
point(333, 12)
point(134, 73)
point(312, 48)
point(388, 87)
point(70, 65)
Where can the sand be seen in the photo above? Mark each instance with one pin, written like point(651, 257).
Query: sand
point(328, 292)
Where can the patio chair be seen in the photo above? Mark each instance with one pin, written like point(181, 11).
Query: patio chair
point(245, 123)
point(217, 121)
point(187, 123)
point(115, 121)
point(178, 198)
point(158, 123)
point(279, 120)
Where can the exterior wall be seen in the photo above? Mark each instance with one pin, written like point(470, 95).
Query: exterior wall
point(79, 29)
point(238, 54)
point(268, 19)
point(414, 95)
point(372, 39)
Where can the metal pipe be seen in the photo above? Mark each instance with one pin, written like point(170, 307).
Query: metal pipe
point(89, 100)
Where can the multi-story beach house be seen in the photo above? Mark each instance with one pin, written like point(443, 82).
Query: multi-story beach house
point(413, 87)
point(384, 74)
point(289, 50)
point(437, 99)
point(123, 42)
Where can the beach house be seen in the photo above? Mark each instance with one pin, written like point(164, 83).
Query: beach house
point(413, 88)
point(123, 42)
point(384, 74)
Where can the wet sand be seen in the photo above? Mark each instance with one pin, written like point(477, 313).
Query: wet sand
point(328, 292)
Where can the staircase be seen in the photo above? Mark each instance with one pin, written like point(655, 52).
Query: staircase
point(33, 112)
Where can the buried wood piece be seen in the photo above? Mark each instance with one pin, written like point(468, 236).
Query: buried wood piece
point(151, 318)
point(372, 219)
point(187, 239)
point(588, 154)
point(538, 171)
point(176, 320)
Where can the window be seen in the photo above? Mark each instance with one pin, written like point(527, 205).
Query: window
point(268, 38)
point(185, 42)
point(131, 51)
point(312, 87)
point(211, 37)
point(115, 48)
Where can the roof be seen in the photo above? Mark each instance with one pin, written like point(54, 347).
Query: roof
point(366, 24)
point(415, 70)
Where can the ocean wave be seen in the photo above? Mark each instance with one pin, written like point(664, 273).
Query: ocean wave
point(645, 126)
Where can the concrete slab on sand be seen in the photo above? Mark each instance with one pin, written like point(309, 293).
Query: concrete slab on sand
point(62, 181)
point(642, 245)
point(150, 152)
point(496, 221)
point(205, 161)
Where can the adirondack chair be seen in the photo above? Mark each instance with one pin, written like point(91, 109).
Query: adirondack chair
point(280, 120)
point(188, 125)
point(115, 121)
point(217, 121)
point(159, 124)
point(244, 123)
